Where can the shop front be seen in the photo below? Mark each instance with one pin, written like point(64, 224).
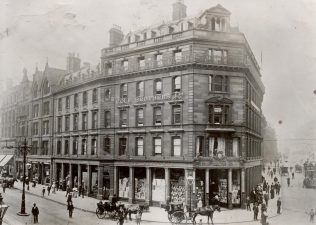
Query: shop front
point(158, 185)
point(124, 185)
point(140, 183)
point(177, 185)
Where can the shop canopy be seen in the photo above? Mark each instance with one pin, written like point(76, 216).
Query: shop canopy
point(4, 159)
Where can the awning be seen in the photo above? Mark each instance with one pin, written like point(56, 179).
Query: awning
point(4, 160)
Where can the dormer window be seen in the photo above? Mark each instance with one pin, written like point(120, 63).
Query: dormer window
point(129, 39)
point(137, 38)
point(190, 25)
point(108, 68)
point(153, 34)
point(144, 36)
point(171, 30)
point(46, 87)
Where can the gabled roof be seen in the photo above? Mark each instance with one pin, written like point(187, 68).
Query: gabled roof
point(218, 9)
point(219, 100)
point(54, 75)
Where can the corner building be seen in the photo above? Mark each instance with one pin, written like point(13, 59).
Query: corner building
point(169, 102)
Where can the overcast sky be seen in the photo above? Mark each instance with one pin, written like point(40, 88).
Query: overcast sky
point(285, 32)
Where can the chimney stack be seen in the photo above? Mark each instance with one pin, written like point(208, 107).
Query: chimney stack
point(73, 62)
point(179, 10)
point(116, 36)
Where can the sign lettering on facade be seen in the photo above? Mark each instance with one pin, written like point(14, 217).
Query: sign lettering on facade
point(150, 98)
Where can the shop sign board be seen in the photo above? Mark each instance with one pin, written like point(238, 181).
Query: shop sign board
point(150, 98)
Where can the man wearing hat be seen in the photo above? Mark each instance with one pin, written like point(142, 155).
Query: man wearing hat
point(35, 213)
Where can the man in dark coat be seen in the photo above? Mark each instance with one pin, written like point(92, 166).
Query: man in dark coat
point(266, 198)
point(279, 206)
point(80, 190)
point(70, 208)
point(35, 213)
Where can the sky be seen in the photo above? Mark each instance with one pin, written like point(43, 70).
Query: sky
point(284, 31)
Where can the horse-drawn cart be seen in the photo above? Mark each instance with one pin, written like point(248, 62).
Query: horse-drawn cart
point(176, 213)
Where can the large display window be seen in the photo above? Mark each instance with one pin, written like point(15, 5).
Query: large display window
point(158, 185)
point(199, 187)
point(236, 187)
point(219, 185)
point(123, 182)
point(177, 185)
point(140, 183)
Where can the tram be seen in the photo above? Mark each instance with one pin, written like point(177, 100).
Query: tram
point(310, 174)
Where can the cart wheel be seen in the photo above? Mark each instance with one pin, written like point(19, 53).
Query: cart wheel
point(177, 217)
point(99, 214)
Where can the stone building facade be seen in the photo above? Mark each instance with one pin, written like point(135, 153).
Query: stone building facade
point(167, 104)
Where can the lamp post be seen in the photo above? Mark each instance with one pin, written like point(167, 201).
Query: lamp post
point(24, 149)
point(190, 181)
point(3, 209)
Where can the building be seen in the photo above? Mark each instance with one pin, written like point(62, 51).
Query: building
point(167, 104)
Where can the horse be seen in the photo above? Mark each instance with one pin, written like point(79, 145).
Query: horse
point(133, 209)
point(206, 211)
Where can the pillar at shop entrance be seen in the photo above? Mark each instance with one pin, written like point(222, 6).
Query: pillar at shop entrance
point(207, 186)
point(100, 182)
point(167, 178)
point(243, 194)
point(230, 175)
point(132, 185)
point(148, 185)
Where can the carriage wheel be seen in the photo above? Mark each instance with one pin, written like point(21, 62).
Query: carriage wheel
point(99, 214)
point(177, 217)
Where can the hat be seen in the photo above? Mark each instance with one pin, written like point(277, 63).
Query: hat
point(34, 204)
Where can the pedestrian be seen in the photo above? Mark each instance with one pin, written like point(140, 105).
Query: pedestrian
point(67, 191)
point(121, 215)
point(70, 208)
point(43, 191)
point(263, 207)
point(80, 190)
point(248, 203)
point(264, 217)
point(266, 198)
point(255, 211)
point(54, 188)
point(272, 193)
point(138, 217)
point(279, 205)
point(292, 175)
point(4, 186)
point(48, 189)
point(311, 214)
point(288, 181)
point(69, 198)
point(35, 213)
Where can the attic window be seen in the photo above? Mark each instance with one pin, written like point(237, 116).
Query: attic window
point(153, 34)
point(171, 30)
point(129, 39)
point(137, 38)
point(190, 25)
point(144, 36)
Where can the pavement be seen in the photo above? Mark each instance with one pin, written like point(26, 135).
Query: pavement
point(155, 215)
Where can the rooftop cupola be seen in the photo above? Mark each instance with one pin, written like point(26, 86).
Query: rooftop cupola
point(216, 18)
point(179, 10)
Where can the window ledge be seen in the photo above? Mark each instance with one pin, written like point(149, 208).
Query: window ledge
point(157, 103)
point(223, 129)
point(123, 106)
point(140, 105)
point(122, 131)
point(176, 130)
point(157, 131)
point(139, 131)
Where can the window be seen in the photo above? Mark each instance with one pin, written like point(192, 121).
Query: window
point(84, 121)
point(74, 146)
point(67, 102)
point(67, 123)
point(76, 121)
point(44, 147)
point(144, 36)
point(46, 87)
point(107, 145)
point(76, 100)
point(157, 146)
point(218, 83)
point(176, 84)
point(34, 147)
point(157, 87)
point(122, 146)
point(217, 145)
point(139, 146)
point(218, 56)
point(93, 146)
point(108, 68)
point(45, 127)
point(59, 124)
point(84, 98)
point(60, 102)
point(95, 95)
point(199, 146)
point(157, 116)
point(59, 146)
point(123, 118)
point(159, 60)
point(139, 117)
point(123, 91)
point(66, 147)
point(137, 38)
point(178, 56)
point(83, 146)
point(176, 114)
point(153, 34)
point(35, 91)
point(219, 114)
point(107, 94)
point(46, 108)
point(107, 119)
point(35, 111)
point(94, 120)
point(125, 65)
point(140, 89)
point(35, 128)
point(176, 146)
point(141, 62)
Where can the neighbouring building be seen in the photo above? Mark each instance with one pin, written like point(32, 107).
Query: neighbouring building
point(167, 104)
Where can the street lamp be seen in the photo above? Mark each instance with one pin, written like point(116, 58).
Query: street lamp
point(3, 209)
point(190, 181)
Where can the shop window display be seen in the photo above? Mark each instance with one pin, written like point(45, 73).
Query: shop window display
point(177, 185)
point(158, 185)
point(123, 182)
point(140, 183)
point(199, 190)
point(236, 187)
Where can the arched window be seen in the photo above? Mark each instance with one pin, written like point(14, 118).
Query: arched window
point(123, 91)
point(95, 95)
point(35, 91)
point(140, 89)
point(107, 94)
point(157, 87)
point(46, 87)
